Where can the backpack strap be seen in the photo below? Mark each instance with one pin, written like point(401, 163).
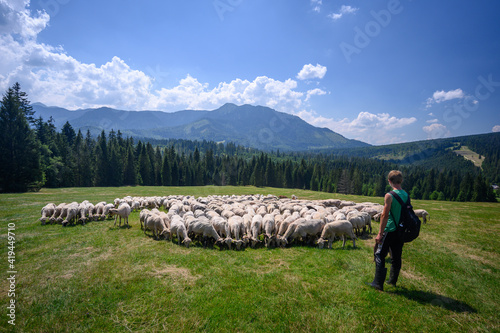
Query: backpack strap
point(398, 198)
point(403, 205)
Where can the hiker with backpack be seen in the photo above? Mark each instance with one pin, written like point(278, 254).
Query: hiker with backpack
point(392, 233)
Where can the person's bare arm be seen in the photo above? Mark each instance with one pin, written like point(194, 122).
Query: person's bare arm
point(384, 217)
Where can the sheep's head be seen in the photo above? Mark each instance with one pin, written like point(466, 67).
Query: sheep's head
point(187, 241)
point(43, 220)
point(238, 243)
point(321, 243)
point(228, 241)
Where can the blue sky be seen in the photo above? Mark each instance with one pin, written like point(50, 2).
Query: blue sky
point(378, 71)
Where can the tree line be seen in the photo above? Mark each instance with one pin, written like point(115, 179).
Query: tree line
point(35, 154)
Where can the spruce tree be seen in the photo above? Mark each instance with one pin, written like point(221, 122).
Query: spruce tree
point(19, 148)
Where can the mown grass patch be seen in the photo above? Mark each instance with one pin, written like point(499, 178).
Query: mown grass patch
point(100, 278)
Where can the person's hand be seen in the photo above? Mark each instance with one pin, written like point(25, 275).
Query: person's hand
point(378, 239)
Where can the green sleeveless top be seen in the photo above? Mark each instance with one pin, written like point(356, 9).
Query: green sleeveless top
point(395, 211)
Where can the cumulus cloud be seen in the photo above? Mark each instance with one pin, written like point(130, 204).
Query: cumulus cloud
point(309, 72)
point(192, 94)
point(313, 92)
point(496, 128)
point(443, 96)
point(52, 77)
point(343, 11)
point(372, 128)
point(436, 131)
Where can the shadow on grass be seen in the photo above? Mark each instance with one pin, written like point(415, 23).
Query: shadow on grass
point(426, 297)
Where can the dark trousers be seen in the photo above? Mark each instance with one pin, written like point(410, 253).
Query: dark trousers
point(390, 242)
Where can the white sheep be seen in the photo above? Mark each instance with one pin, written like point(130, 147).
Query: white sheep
point(57, 212)
point(123, 211)
point(337, 228)
point(46, 212)
point(178, 228)
point(71, 214)
point(423, 214)
point(237, 229)
point(256, 228)
point(204, 228)
point(268, 225)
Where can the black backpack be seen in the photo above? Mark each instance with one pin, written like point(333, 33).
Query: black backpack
point(408, 227)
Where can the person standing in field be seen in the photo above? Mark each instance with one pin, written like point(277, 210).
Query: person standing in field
point(387, 238)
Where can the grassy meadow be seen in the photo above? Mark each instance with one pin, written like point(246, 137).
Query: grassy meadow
point(98, 278)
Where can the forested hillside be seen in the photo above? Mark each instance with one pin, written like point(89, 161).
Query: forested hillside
point(37, 155)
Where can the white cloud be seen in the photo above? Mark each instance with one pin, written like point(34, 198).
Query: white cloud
point(192, 94)
point(496, 128)
point(315, 92)
point(436, 131)
point(432, 121)
point(310, 71)
point(372, 128)
point(343, 10)
point(52, 77)
point(316, 4)
point(443, 96)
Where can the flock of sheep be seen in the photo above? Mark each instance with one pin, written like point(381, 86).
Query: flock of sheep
point(250, 220)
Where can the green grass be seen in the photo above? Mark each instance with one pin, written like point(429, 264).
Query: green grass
point(96, 278)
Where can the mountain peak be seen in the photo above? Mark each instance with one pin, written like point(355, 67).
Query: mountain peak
point(247, 125)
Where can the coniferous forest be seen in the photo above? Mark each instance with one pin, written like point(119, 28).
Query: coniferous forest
point(34, 154)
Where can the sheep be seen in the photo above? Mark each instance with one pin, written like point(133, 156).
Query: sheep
point(85, 212)
point(71, 214)
point(358, 223)
point(284, 227)
point(178, 228)
point(160, 227)
point(203, 227)
point(423, 214)
point(123, 210)
point(237, 229)
point(142, 216)
point(309, 228)
point(222, 227)
point(268, 225)
point(106, 211)
point(98, 210)
point(290, 230)
point(57, 212)
point(337, 228)
point(46, 212)
point(256, 228)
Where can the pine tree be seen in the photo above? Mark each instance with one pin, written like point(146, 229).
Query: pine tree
point(19, 148)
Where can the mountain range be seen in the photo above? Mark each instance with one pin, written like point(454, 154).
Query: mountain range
point(247, 125)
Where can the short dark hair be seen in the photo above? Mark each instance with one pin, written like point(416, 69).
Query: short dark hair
point(396, 177)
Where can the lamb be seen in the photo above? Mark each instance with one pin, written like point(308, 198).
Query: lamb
point(178, 228)
point(84, 209)
point(122, 211)
point(337, 228)
point(423, 214)
point(46, 212)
